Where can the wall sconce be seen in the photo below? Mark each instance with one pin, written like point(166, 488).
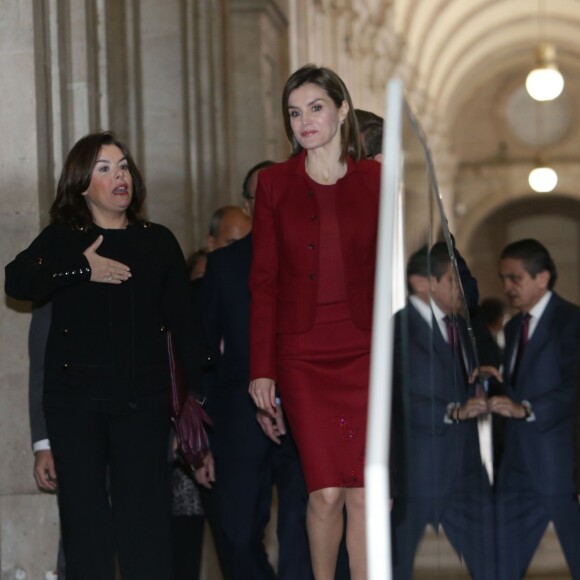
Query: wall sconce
point(543, 178)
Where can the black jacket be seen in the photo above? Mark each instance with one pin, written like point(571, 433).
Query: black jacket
point(107, 342)
point(224, 300)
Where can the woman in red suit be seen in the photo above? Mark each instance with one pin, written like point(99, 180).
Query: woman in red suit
point(314, 243)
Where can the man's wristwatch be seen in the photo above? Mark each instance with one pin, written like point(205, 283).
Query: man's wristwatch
point(452, 414)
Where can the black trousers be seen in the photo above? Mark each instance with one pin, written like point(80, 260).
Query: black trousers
point(248, 464)
point(522, 518)
point(129, 520)
point(466, 517)
point(187, 543)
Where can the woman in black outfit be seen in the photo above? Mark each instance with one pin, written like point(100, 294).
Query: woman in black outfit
point(116, 283)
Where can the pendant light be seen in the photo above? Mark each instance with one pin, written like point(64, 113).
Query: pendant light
point(545, 82)
point(543, 178)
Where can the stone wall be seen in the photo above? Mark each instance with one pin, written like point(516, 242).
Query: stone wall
point(193, 86)
point(22, 513)
point(174, 80)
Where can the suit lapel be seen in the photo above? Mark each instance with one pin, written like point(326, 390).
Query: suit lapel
point(417, 324)
point(511, 342)
point(537, 342)
point(542, 334)
point(452, 369)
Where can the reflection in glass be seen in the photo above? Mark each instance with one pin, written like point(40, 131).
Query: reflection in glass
point(439, 396)
point(443, 458)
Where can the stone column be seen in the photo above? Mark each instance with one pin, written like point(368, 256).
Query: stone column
point(28, 529)
point(259, 65)
point(208, 110)
point(185, 113)
point(143, 69)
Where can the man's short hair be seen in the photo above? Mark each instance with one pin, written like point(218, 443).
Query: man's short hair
point(371, 129)
point(365, 119)
point(373, 140)
point(418, 265)
point(534, 256)
point(262, 165)
point(439, 260)
point(218, 216)
point(216, 219)
point(491, 310)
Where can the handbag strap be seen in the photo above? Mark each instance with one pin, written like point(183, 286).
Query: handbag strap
point(177, 389)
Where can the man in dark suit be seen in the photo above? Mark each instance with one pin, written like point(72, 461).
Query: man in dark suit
point(44, 470)
point(247, 462)
point(371, 132)
point(441, 479)
point(535, 483)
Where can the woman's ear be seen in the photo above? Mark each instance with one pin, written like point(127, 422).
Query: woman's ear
point(343, 111)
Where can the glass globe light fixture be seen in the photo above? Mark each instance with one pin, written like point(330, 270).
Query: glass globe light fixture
point(543, 179)
point(545, 82)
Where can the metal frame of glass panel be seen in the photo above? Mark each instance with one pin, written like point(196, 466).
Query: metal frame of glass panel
point(390, 296)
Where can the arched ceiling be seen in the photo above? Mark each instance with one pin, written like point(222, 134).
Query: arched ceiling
point(456, 46)
point(463, 64)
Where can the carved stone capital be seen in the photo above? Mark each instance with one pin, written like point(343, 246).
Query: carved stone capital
point(370, 31)
point(276, 9)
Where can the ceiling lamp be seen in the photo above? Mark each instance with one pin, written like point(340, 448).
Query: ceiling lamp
point(545, 82)
point(543, 179)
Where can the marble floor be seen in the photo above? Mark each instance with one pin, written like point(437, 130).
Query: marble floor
point(436, 560)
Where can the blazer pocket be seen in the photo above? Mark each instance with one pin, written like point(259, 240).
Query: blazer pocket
point(287, 313)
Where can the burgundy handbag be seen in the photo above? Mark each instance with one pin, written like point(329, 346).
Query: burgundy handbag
point(187, 414)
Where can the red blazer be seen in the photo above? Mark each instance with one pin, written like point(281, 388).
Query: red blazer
point(286, 230)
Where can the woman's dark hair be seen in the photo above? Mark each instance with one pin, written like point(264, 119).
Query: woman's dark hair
point(69, 206)
point(329, 81)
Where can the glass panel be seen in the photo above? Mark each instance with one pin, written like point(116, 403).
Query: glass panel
point(442, 505)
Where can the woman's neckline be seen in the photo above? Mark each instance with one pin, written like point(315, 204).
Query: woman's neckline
point(318, 184)
point(105, 229)
point(114, 225)
point(333, 174)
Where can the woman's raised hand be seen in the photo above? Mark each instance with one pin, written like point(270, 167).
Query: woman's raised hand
point(103, 269)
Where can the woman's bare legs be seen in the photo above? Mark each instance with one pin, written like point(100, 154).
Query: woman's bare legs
point(356, 532)
point(325, 523)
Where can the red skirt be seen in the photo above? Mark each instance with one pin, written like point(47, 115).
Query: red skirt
point(323, 379)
